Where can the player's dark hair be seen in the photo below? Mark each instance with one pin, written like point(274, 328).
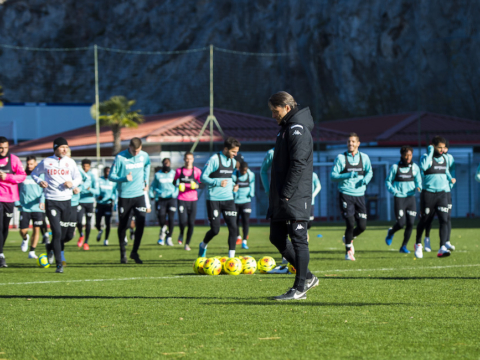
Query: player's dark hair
point(186, 154)
point(157, 168)
point(438, 139)
point(231, 142)
point(86, 162)
point(3, 139)
point(406, 148)
point(243, 165)
point(282, 98)
point(136, 143)
point(352, 134)
point(105, 170)
point(31, 157)
point(165, 159)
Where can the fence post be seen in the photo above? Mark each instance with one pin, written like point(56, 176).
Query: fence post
point(469, 173)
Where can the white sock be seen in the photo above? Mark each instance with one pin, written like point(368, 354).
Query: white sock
point(245, 241)
point(2, 256)
point(448, 243)
point(231, 253)
point(203, 245)
point(32, 252)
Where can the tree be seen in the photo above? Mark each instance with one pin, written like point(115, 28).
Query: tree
point(116, 113)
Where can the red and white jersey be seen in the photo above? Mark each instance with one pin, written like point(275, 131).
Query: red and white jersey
point(57, 171)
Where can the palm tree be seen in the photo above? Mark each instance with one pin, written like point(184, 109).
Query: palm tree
point(116, 113)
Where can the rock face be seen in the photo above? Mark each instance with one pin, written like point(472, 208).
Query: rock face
point(344, 58)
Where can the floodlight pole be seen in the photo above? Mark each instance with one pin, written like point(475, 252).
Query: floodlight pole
point(97, 106)
point(211, 119)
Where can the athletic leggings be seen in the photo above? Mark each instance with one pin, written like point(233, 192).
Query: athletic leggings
point(431, 204)
point(87, 210)
point(243, 211)
point(58, 213)
point(6, 213)
point(351, 231)
point(70, 231)
point(103, 210)
point(187, 213)
point(166, 207)
point(126, 206)
point(229, 212)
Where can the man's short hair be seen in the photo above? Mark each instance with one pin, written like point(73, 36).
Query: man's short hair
point(243, 165)
point(282, 98)
point(186, 154)
point(165, 159)
point(439, 139)
point(231, 142)
point(31, 157)
point(105, 169)
point(406, 148)
point(136, 143)
point(3, 139)
point(352, 134)
point(86, 162)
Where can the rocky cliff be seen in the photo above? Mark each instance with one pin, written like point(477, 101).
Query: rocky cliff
point(343, 58)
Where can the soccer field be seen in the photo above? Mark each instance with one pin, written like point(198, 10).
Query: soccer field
point(384, 305)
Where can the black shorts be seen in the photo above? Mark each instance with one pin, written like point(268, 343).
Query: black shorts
point(104, 210)
point(72, 222)
point(131, 206)
point(405, 206)
point(244, 208)
point(7, 209)
point(87, 209)
point(37, 219)
point(353, 206)
point(431, 202)
point(166, 205)
point(215, 208)
point(187, 207)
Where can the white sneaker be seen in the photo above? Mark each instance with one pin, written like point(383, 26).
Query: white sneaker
point(349, 255)
point(24, 246)
point(51, 257)
point(426, 241)
point(352, 248)
point(449, 246)
point(443, 252)
point(418, 251)
point(169, 241)
point(31, 255)
point(105, 243)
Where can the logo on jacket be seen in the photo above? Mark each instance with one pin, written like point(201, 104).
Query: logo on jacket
point(299, 227)
point(294, 126)
point(296, 132)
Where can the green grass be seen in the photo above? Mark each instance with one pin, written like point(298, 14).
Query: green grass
point(384, 305)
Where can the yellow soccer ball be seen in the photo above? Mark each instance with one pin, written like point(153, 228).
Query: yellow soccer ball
point(249, 266)
point(212, 266)
point(291, 269)
point(42, 261)
point(266, 264)
point(233, 266)
point(223, 260)
point(198, 265)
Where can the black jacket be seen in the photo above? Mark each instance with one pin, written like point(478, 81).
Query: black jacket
point(292, 168)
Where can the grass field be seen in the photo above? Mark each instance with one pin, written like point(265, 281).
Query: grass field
point(384, 305)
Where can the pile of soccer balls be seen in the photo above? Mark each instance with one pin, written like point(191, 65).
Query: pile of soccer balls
point(232, 266)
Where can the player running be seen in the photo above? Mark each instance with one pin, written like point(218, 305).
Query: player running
point(290, 195)
point(165, 193)
point(107, 194)
point(131, 171)
point(11, 174)
point(217, 174)
point(87, 199)
point(401, 182)
point(244, 189)
point(434, 197)
point(32, 208)
point(61, 176)
point(188, 178)
point(266, 165)
point(353, 171)
point(316, 187)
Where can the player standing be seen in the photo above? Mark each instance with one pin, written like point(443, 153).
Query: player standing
point(105, 200)
point(290, 195)
point(353, 171)
point(11, 174)
point(188, 178)
point(61, 176)
point(401, 182)
point(217, 174)
point(244, 190)
point(316, 187)
point(32, 207)
point(266, 165)
point(87, 199)
point(434, 197)
point(131, 171)
point(165, 193)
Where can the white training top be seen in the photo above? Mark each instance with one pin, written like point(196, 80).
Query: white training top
point(57, 171)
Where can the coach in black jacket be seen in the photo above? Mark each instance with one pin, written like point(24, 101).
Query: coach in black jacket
point(291, 190)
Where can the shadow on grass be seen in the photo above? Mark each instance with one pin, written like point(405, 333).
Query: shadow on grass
point(401, 278)
point(76, 297)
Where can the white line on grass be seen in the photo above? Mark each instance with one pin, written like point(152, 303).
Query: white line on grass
point(182, 276)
